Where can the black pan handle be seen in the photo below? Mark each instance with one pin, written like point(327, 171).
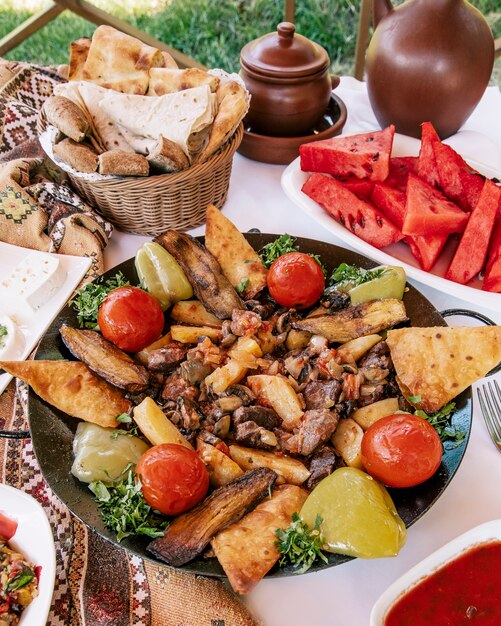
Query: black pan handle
point(478, 316)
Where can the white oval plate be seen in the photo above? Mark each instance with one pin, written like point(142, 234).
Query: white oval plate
point(294, 178)
point(479, 534)
point(33, 539)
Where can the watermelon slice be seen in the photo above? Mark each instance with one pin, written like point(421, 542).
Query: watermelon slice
point(492, 278)
point(427, 163)
point(360, 187)
point(392, 203)
point(429, 213)
point(366, 155)
point(359, 216)
point(472, 250)
point(399, 171)
point(459, 182)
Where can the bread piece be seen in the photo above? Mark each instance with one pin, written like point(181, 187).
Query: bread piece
point(122, 163)
point(71, 387)
point(167, 156)
point(168, 80)
point(79, 51)
point(67, 117)
point(79, 155)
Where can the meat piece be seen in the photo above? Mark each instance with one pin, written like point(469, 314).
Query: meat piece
point(377, 392)
point(378, 356)
point(188, 535)
point(260, 415)
point(317, 425)
point(245, 323)
point(208, 353)
point(190, 413)
point(322, 394)
point(254, 436)
point(346, 408)
point(322, 465)
point(176, 386)
point(166, 359)
point(264, 311)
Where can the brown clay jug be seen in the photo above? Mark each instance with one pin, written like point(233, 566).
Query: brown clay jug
point(428, 61)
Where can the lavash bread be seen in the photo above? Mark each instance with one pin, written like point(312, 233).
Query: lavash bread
point(67, 117)
point(79, 156)
point(168, 80)
point(122, 163)
point(79, 51)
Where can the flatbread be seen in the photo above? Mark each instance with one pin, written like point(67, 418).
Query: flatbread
point(246, 550)
point(175, 116)
point(438, 363)
point(88, 96)
point(238, 259)
point(166, 156)
point(71, 387)
point(167, 80)
point(79, 50)
point(67, 117)
point(80, 156)
point(120, 62)
point(232, 105)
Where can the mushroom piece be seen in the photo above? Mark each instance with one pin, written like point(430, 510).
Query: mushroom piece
point(241, 391)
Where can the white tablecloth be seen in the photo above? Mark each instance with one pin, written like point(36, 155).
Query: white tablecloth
point(344, 595)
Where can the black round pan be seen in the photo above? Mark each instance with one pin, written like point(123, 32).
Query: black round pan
point(53, 431)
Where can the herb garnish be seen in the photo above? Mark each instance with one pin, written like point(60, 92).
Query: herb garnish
point(345, 273)
point(283, 245)
point(124, 509)
point(21, 579)
point(299, 545)
point(242, 285)
point(3, 334)
point(450, 435)
point(132, 428)
point(88, 299)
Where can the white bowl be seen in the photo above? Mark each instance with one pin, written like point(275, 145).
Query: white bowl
point(480, 534)
point(33, 539)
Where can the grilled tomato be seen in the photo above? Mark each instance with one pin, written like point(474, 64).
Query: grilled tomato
point(295, 280)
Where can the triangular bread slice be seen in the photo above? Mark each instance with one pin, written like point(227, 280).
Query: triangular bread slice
point(239, 261)
point(434, 365)
point(71, 387)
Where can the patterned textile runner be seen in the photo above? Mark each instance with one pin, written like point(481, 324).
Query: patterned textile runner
point(97, 582)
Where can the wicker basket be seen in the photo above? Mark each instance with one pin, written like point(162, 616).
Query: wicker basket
point(150, 205)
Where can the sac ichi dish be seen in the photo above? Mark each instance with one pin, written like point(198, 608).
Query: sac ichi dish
point(247, 417)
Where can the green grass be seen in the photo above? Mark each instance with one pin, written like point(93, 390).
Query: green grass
point(212, 31)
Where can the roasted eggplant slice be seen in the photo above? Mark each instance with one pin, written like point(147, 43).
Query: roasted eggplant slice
point(189, 534)
point(105, 359)
point(356, 321)
point(209, 283)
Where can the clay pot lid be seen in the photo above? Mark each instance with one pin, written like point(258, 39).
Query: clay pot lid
point(284, 54)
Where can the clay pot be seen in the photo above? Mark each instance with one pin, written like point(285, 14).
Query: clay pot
point(428, 60)
point(288, 78)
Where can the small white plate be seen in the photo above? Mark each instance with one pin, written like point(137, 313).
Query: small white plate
point(485, 532)
point(33, 539)
point(33, 325)
point(294, 178)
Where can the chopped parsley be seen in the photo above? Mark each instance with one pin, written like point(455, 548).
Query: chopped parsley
point(88, 299)
point(353, 275)
point(299, 545)
point(3, 335)
point(124, 509)
point(283, 245)
point(242, 285)
point(450, 435)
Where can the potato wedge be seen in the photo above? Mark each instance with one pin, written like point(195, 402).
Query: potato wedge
point(222, 470)
point(355, 321)
point(297, 339)
point(191, 334)
point(289, 470)
point(226, 375)
point(239, 261)
point(280, 396)
point(347, 440)
point(193, 312)
point(247, 550)
point(156, 426)
point(365, 416)
point(356, 348)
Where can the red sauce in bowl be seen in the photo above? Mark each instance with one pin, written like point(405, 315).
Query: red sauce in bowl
point(466, 591)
